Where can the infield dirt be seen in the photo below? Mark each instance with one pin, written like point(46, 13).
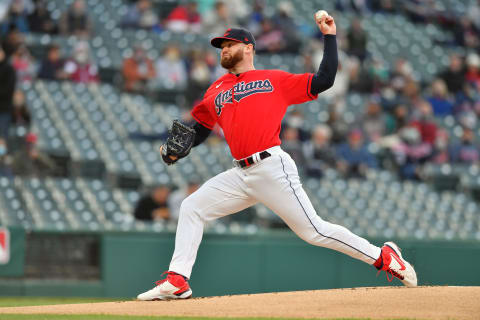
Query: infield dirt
point(376, 303)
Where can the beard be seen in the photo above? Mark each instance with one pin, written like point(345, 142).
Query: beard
point(228, 62)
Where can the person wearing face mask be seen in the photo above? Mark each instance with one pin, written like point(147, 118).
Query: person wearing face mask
point(171, 70)
point(8, 81)
point(137, 71)
point(80, 68)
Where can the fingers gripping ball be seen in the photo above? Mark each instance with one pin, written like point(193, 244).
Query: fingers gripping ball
point(320, 14)
point(179, 143)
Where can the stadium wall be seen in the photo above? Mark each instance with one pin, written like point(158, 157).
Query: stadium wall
point(235, 264)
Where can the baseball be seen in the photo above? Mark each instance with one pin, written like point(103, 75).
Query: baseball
point(320, 14)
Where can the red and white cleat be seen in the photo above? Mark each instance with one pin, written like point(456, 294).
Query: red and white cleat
point(391, 261)
point(174, 286)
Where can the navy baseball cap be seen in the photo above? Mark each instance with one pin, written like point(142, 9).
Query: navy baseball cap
point(234, 34)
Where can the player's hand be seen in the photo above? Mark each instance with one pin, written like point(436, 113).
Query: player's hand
point(171, 157)
point(327, 25)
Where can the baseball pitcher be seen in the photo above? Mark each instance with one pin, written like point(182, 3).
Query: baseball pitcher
point(249, 105)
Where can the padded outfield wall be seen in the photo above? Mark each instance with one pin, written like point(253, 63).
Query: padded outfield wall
point(128, 263)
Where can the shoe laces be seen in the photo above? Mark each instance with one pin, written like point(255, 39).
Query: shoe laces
point(393, 273)
point(168, 273)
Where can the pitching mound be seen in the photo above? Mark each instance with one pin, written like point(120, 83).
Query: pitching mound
point(377, 303)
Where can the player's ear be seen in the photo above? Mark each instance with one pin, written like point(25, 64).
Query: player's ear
point(250, 47)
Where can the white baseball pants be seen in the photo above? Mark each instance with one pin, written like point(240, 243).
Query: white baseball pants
point(274, 182)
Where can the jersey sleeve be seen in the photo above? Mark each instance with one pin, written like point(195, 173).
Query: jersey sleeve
point(296, 88)
point(201, 114)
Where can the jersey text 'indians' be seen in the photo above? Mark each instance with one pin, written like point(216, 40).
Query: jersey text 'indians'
point(241, 90)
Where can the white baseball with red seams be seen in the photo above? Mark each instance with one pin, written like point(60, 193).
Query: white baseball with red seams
point(320, 14)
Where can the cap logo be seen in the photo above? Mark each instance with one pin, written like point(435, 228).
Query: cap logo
point(245, 39)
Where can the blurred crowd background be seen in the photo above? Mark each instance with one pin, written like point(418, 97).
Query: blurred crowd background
point(406, 99)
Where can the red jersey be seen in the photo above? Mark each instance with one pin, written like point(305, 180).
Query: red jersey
point(250, 107)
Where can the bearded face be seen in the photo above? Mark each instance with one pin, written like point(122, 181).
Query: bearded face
point(232, 57)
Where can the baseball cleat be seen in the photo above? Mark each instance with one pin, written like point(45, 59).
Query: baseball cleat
point(392, 262)
point(174, 286)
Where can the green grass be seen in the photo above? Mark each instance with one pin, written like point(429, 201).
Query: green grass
point(40, 301)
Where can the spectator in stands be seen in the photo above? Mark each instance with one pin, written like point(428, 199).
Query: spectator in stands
point(283, 20)
point(354, 157)
point(154, 205)
point(17, 16)
point(467, 119)
point(177, 196)
point(411, 95)
point(7, 88)
point(76, 21)
point(472, 74)
point(379, 72)
point(80, 68)
point(24, 64)
point(20, 114)
point(337, 123)
point(439, 99)
point(373, 122)
point(216, 70)
point(40, 20)
point(292, 145)
point(465, 33)
point(216, 21)
point(137, 71)
point(184, 18)
point(454, 75)
point(357, 40)
point(30, 161)
point(467, 151)
point(257, 15)
point(140, 15)
point(198, 76)
point(318, 152)
point(398, 120)
point(441, 152)
point(170, 69)
point(411, 153)
point(360, 80)
point(5, 160)
point(296, 119)
point(52, 67)
point(402, 72)
point(425, 123)
point(270, 39)
point(12, 40)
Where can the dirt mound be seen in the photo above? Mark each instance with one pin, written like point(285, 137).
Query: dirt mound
point(376, 303)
